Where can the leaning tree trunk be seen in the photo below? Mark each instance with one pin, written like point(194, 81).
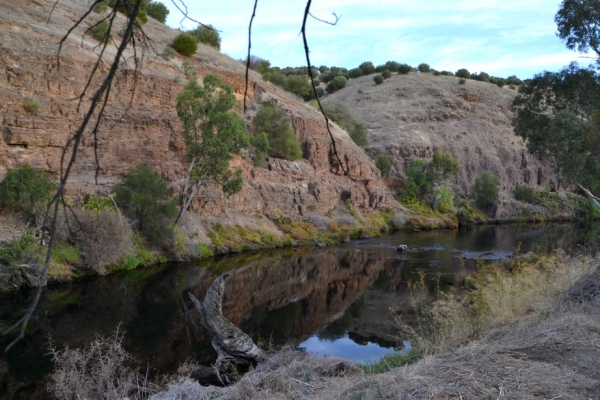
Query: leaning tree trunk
point(231, 343)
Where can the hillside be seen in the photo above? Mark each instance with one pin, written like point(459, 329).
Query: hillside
point(411, 116)
point(147, 132)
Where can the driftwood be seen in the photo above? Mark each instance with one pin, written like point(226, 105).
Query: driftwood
point(233, 346)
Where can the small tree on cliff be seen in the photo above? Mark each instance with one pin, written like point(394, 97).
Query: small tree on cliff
point(213, 135)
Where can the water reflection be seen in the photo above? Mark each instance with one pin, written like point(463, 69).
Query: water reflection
point(326, 296)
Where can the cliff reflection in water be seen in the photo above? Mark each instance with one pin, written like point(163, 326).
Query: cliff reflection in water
point(281, 296)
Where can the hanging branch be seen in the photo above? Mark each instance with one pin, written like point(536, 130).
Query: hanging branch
point(312, 82)
point(249, 47)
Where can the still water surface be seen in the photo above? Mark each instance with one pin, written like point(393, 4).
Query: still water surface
point(329, 301)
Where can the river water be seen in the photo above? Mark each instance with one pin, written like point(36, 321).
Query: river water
point(336, 300)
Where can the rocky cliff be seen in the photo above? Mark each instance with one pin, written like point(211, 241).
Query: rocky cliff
point(411, 116)
point(147, 132)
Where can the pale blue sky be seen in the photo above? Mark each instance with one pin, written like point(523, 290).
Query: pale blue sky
point(500, 37)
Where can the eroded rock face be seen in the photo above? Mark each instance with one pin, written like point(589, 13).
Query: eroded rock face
point(411, 116)
point(147, 132)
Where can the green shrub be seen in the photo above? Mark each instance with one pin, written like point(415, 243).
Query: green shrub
point(358, 134)
point(423, 68)
point(157, 10)
point(207, 34)
point(275, 123)
point(261, 147)
point(126, 7)
point(27, 190)
point(525, 193)
point(131, 262)
point(32, 106)
point(463, 73)
point(355, 73)
point(384, 164)
point(100, 31)
point(185, 44)
point(367, 67)
point(378, 79)
point(462, 81)
point(336, 84)
point(404, 69)
point(341, 114)
point(168, 53)
point(443, 200)
point(64, 253)
point(299, 85)
point(512, 87)
point(21, 250)
point(486, 190)
point(204, 251)
point(386, 74)
point(101, 7)
point(188, 70)
point(145, 198)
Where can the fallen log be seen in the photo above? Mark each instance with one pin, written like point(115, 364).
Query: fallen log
point(233, 346)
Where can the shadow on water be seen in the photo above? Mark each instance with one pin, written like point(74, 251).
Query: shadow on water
point(334, 300)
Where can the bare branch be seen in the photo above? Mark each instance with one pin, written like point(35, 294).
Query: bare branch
point(327, 22)
point(249, 47)
point(312, 82)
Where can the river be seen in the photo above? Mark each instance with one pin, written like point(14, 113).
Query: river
point(335, 301)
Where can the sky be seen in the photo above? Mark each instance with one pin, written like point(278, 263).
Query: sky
point(500, 37)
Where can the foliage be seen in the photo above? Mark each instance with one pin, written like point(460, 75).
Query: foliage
point(207, 34)
point(423, 67)
point(275, 123)
point(189, 70)
point(463, 73)
point(145, 197)
point(168, 53)
point(443, 200)
point(336, 84)
point(20, 250)
point(27, 190)
point(418, 183)
point(558, 117)
point(101, 7)
point(261, 147)
point(442, 166)
point(213, 134)
point(423, 176)
point(32, 106)
point(392, 361)
point(386, 74)
point(486, 190)
point(100, 32)
point(404, 69)
point(384, 164)
point(185, 44)
point(64, 253)
point(462, 81)
point(378, 79)
point(204, 251)
point(525, 193)
point(299, 85)
point(99, 203)
point(127, 6)
point(577, 22)
point(355, 73)
point(367, 67)
point(157, 10)
point(340, 113)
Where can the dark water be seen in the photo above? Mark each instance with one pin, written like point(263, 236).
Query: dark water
point(334, 301)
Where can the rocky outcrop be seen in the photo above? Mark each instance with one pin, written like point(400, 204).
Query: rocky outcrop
point(411, 116)
point(147, 131)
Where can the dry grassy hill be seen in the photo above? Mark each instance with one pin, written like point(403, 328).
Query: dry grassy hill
point(411, 116)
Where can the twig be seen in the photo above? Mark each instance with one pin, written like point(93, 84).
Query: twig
point(249, 47)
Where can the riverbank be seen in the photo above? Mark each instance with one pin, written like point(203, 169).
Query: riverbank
point(531, 332)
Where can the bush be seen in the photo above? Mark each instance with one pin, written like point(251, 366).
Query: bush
point(207, 34)
point(299, 85)
point(168, 53)
point(185, 44)
point(64, 253)
point(157, 10)
point(525, 193)
point(23, 249)
point(145, 198)
point(404, 69)
point(27, 190)
point(386, 74)
point(423, 68)
point(485, 190)
point(273, 121)
point(462, 81)
point(126, 7)
point(384, 164)
point(341, 114)
point(367, 67)
point(100, 31)
point(101, 7)
point(336, 84)
point(378, 79)
point(355, 73)
point(463, 73)
point(32, 106)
